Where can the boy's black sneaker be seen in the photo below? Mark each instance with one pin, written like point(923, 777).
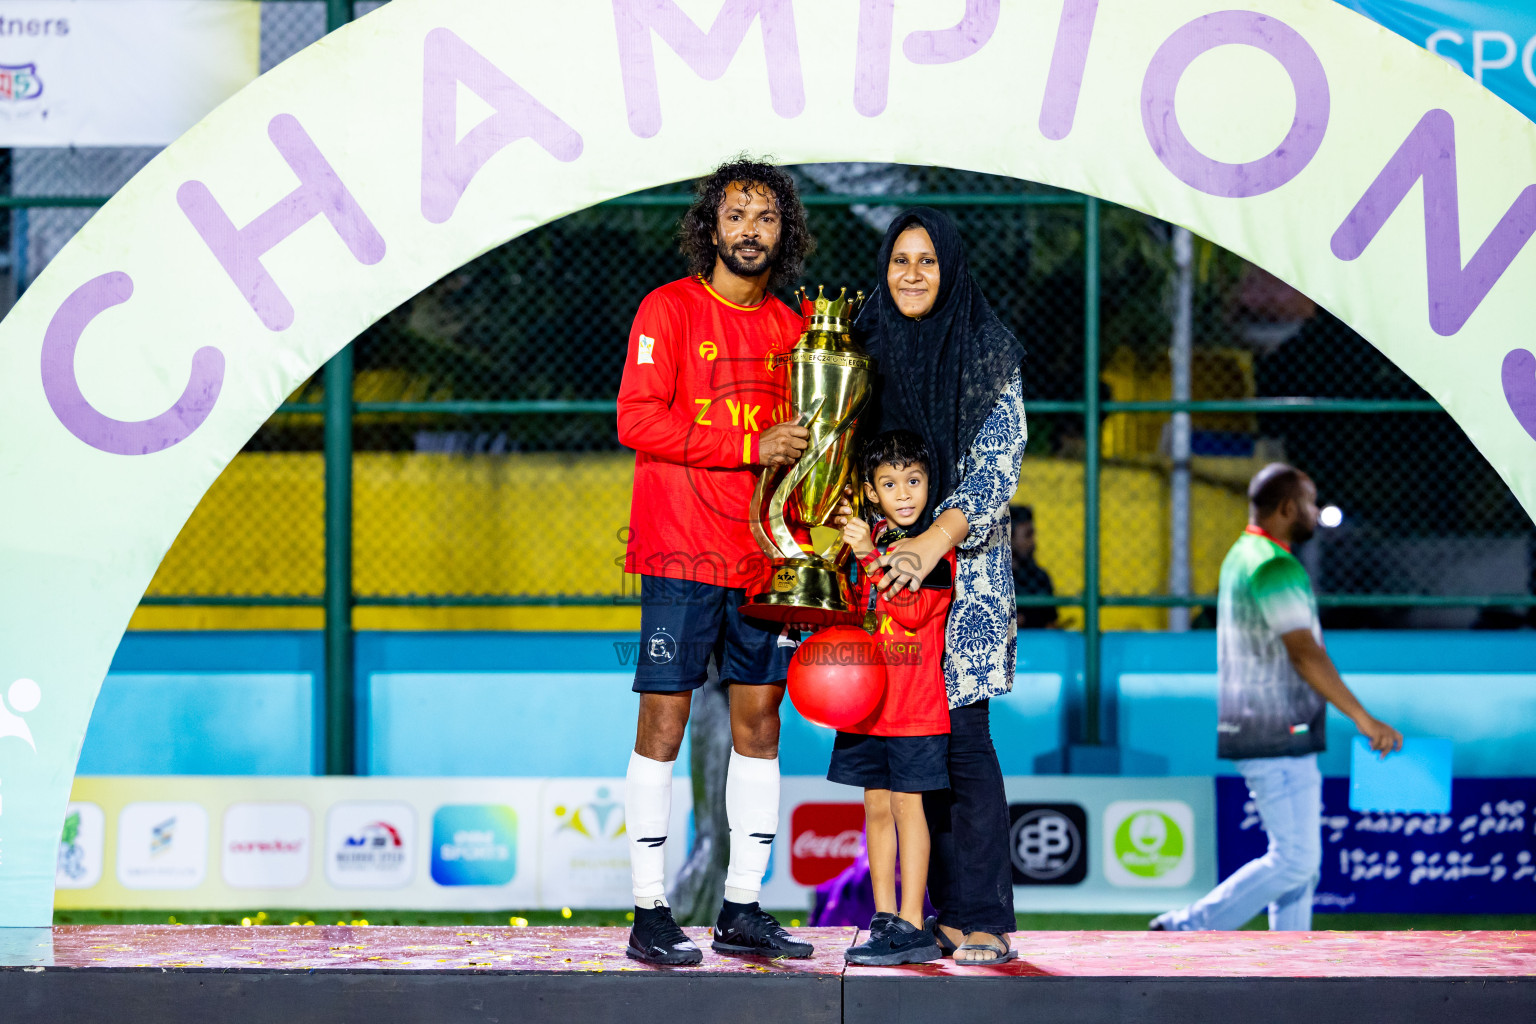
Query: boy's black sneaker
point(746, 929)
point(880, 922)
point(900, 942)
point(656, 939)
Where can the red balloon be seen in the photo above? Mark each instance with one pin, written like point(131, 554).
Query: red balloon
point(836, 678)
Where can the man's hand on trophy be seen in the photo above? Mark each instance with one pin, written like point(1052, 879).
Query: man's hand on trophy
point(845, 510)
point(782, 444)
point(856, 536)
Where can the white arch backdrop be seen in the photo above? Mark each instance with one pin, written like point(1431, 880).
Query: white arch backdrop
point(372, 163)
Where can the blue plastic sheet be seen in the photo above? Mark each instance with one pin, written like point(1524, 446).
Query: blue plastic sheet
point(1416, 778)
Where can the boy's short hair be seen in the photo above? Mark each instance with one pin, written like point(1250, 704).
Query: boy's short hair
point(1021, 513)
point(895, 448)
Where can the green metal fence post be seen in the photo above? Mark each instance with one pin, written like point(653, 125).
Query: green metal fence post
point(337, 14)
point(1091, 472)
point(340, 723)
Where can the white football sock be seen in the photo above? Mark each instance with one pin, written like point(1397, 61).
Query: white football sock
point(752, 810)
point(647, 810)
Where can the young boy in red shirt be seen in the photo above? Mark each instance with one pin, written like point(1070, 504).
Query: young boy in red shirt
point(900, 750)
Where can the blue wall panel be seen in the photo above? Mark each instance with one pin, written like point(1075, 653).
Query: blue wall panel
point(560, 703)
point(191, 723)
point(207, 703)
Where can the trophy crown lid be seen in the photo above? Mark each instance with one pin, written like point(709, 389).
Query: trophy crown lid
point(844, 307)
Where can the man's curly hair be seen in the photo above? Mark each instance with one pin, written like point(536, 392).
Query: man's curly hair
point(696, 233)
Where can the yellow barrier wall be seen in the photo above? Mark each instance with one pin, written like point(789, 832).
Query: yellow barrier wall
point(545, 524)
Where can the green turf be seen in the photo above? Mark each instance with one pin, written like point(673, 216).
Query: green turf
point(1027, 922)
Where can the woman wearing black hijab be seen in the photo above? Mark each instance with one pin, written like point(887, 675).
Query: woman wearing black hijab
point(950, 371)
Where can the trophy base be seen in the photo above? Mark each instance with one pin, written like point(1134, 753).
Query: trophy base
point(805, 593)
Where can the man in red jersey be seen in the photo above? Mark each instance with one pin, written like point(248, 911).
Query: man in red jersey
point(701, 403)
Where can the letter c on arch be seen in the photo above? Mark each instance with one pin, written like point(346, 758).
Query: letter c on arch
point(85, 421)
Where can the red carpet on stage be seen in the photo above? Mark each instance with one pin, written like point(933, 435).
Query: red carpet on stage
point(171, 974)
point(1255, 955)
point(316, 947)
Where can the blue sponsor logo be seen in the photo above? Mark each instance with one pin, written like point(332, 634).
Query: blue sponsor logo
point(474, 844)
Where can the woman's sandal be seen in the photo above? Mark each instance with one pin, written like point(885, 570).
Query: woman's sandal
point(946, 947)
point(1001, 954)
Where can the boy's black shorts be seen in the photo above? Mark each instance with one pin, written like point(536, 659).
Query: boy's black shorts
point(902, 764)
point(683, 622)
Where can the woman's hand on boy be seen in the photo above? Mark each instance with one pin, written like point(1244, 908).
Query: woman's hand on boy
point(910, 560)
point(906, 564)
point(856, 536)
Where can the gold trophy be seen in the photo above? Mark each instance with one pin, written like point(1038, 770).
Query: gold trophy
point(829, 385)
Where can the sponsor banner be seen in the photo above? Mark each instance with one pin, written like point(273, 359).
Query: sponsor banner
point(1048, 843)
point(266, 846)
point(162, 845)
point(1478, 859)
point(823, 840)
point(196, 842)
point(1110, 843)
point(126, 73)
point(584, 846)
point(82, 847)
point(1062, 840)
point(370, 844)
point(200, 842)
point(1146, 843)
point(474, 844)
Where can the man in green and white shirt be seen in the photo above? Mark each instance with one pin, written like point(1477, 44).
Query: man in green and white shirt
point(1275, 682)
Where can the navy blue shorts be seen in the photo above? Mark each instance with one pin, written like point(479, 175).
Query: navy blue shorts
point(683, 622)
point(902, 764)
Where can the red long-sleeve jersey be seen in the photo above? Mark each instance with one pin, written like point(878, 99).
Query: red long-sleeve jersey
point(910, 638)
point(697, 392)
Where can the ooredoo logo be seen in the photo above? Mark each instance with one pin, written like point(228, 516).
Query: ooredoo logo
point(266, 846)
point(824, 839)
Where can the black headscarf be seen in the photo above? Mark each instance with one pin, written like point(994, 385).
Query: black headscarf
point(941, 375)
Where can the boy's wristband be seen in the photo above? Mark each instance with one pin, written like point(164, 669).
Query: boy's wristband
point(868, 561)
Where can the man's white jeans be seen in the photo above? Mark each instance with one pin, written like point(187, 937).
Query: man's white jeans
point(1288, 792)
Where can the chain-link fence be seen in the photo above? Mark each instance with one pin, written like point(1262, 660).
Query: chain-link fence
point(487, 470)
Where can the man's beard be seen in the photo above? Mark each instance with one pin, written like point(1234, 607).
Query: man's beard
point(739, 267)
point(1301, 532)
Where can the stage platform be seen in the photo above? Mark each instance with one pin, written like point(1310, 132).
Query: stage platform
point(296, 975)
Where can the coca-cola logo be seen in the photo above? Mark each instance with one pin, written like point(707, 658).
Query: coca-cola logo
point(825, 839)
point(844, 844)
